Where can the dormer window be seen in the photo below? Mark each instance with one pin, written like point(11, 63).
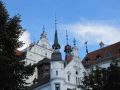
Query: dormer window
point(98, 57)
point(108, 53)
point(87, 60)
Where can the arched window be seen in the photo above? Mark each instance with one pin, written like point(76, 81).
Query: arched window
point(76, 72)
point(69, 73)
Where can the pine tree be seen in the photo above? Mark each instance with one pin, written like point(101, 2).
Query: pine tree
point(13, 70)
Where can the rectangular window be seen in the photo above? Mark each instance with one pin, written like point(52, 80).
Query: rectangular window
point(57, 86)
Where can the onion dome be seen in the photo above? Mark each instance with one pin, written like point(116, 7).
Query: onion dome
point(67, 48)
point(68, 55)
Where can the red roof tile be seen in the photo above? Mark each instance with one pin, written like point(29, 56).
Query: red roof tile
point(108, 51)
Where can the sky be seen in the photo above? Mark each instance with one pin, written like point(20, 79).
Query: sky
point(86, 20)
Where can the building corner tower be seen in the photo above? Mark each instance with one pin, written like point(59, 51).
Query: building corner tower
point(57, 65)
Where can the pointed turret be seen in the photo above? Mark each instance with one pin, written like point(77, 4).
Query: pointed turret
point(56, 44)
point(56, 55)
point(43, 34)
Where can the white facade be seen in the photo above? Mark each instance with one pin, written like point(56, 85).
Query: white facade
point(65, 77)
point(37, 52)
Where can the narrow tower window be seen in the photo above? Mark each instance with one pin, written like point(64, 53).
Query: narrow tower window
point(68, 77)
point(56, 72)
point(76, 80)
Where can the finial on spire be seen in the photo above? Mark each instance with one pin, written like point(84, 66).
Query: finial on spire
point(74, 42)
point(67, 37)
point(86, 46)
point(43, 34)
point(55, 22)
point(101, 44)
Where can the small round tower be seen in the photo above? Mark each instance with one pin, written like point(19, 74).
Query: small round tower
point(68, 51)
point(57, 65)
point(68, 55)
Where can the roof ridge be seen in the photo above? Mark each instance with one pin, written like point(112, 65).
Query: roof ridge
point(104, 47)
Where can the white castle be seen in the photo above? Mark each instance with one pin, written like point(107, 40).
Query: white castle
point(53, 73)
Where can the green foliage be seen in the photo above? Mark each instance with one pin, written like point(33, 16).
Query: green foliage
point(13, 70)
point(103, 78)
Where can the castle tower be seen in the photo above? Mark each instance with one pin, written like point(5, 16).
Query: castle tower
point(57, 65)
point(56, 55)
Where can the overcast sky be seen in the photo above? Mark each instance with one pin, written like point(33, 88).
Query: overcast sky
point(91, 20)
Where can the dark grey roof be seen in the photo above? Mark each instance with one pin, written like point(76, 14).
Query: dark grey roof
point(56, 44)
point(45, 60)
point(56, 56)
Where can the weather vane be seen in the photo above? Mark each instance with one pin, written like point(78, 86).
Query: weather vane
point(55, 22)
point(67, 36)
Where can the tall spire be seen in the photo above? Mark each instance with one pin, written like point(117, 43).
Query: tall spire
point(74, 42)
point(56, 55)
point(56, 44)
